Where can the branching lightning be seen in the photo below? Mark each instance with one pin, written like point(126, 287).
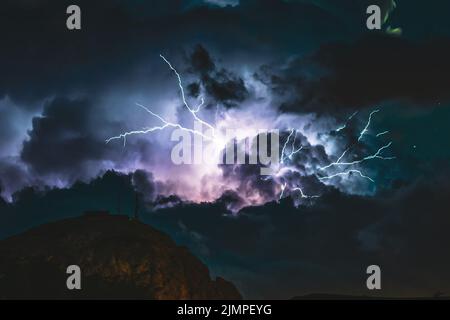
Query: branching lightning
point(293, 149)
point(376, 155)
point(167, 124)
point(183, 97)
point(288, 151)
point(336, 162)
point(346, 173)
point(339, 162)
point(285, 145)
point(364, 131)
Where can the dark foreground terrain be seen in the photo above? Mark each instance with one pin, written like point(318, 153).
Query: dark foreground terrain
point(118, 257)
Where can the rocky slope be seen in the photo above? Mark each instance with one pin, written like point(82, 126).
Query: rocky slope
point(118, 257)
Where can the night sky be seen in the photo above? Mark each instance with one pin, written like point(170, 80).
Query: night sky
point(374, 192)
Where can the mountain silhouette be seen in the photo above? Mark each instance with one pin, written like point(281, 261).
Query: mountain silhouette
point(119, 258)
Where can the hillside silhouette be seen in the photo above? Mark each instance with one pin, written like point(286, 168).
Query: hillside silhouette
point(119, 259)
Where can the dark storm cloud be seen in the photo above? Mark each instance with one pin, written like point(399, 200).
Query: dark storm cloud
point(221, 85)
point(68, 142)
point(61, 139)
point(248, 176)
point(113, 192)
point(277, 250)
point(250, 180)
point(167, 201)
point(231, 200)
point(13, 176)
point(327, 247)
point(144, 183)
point(372, 70)
point(298, 173)
point(201, 61)
point(40, 57)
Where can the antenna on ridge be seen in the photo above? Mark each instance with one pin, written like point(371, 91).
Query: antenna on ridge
point(136, 206)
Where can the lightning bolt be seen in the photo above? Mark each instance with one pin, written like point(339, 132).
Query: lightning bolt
point(293, 149)
point(168, 124)
point(348, 119)
point(376, 155)
point(303, 195)
point(349, 172)
point(382, 133)
point(283, 187)
point(202, 102)
point(183, 97)
point(364, 131)
point(339, 162)
point(336, 162)
point(289, 148)
point(352, 171)
point(285, 145)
